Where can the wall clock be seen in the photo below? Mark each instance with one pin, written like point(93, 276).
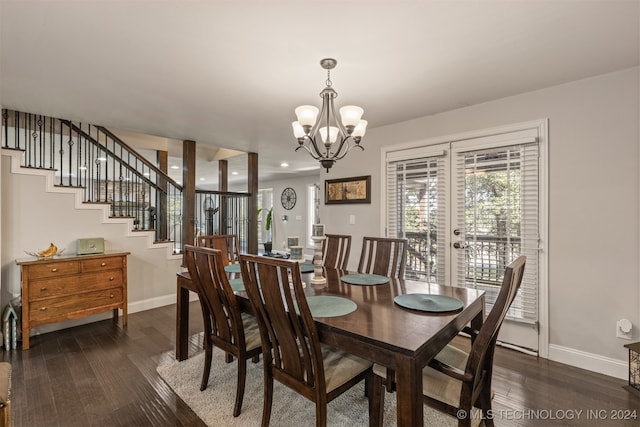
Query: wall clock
point(288, 198)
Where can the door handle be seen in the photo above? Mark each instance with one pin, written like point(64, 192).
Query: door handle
point(460, 245)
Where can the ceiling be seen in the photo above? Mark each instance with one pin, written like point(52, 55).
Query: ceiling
point(228, 74)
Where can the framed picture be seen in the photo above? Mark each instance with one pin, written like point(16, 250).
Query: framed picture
point(348, 190)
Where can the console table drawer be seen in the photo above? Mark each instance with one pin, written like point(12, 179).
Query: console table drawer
point(74, 306)
point(102, 264)
point(53, 269)
point(69, 285)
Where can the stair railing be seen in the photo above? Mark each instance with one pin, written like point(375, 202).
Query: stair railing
point(218, 212)
point(92, 158)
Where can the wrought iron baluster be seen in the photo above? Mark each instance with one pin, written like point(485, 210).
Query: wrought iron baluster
point(27, 140)
point(79, 160)
point(5, 122)
point(61, 152)
point(120, 190)
point(106, 169)
point(71, 144)
point(51, 142)
point(40, 139)
point(98, 177)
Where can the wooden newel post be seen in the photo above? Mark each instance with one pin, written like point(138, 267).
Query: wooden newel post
point(188, 193)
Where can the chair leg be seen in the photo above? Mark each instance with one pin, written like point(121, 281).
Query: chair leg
point(485, 404)
point(268, 398)
point(321, 413)
point(208, 353)
point(242, 376)
point(465, 422)
point(376, 402)
point(228, 357)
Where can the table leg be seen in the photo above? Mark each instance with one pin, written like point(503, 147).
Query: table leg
point(408, 392)
point(182, 323)
point(476, 323)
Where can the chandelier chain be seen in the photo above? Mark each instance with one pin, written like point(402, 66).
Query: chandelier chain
point(328, 82)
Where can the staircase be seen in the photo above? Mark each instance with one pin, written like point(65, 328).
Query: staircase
point(104, 209)
point(105, 173)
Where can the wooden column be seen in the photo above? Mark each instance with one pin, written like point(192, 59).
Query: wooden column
point(161, 205)
point(188, 192)
point(223, 185)
point(252, 214)
point(223, 175)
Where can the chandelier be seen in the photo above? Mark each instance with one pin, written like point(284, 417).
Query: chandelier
point(337, 136)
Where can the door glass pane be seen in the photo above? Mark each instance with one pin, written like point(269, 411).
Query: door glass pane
point(492, 214)
point(498, 216)
point(417, 213)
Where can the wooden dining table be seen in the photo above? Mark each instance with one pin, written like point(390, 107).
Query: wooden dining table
point(379, 330)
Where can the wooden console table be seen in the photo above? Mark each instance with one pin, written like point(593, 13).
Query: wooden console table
point(72, 287)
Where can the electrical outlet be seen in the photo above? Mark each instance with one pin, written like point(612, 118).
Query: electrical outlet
point(623, 329)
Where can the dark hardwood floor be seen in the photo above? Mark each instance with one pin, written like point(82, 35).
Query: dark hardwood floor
point(101, 374)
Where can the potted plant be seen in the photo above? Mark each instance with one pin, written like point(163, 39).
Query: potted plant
point(268, 244)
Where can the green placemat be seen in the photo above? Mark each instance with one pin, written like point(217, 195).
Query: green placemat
point(364, 279)
point(306, 268)
point(237, 284)
point(232, 268)
point(329, 306)
point(235, 268)
point(428, 302)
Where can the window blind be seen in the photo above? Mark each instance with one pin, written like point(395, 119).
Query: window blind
point(416, 210)
point(497, 192)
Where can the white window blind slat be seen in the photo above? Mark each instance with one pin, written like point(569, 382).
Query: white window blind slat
point(498, 193)
point(416, 202)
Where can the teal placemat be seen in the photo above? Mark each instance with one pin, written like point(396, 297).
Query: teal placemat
point(364, 279)
point(306, 268)
point(232, 268)
point(329, 306)
point(428, 302)
point(236, 284)
point(235, 268)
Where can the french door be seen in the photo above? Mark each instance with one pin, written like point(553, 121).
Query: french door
point(468, 208)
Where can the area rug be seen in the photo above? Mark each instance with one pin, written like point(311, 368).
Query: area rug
point(215, 405)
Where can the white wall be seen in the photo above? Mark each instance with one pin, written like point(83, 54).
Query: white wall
point(296, 225)
point(31, 218)
point(593, 203)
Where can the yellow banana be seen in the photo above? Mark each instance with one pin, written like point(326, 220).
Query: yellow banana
point(49, 252)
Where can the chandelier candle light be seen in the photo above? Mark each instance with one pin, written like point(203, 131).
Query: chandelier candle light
point(317, 237)
point(312, 121)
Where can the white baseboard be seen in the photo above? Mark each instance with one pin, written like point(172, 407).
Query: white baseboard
point(589, 361)
point(156, 302)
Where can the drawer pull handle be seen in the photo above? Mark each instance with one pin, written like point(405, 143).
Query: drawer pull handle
point(103, 264)
point(112, 296)
point(111, 279)
point(42, 289)
point(53, 270)
point(43, 308)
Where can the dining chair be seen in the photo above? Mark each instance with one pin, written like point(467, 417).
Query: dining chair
point(225, 326)
point(455, 381)
point(291, 350)
point(335, 250)
point(226, 243)
point(384, 256)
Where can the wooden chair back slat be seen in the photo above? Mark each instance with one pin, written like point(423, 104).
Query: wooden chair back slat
point(481, 354)
point(383, 256)
point(206, 269)
point(287, 329)
point(228, 244)
point(335, 250)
